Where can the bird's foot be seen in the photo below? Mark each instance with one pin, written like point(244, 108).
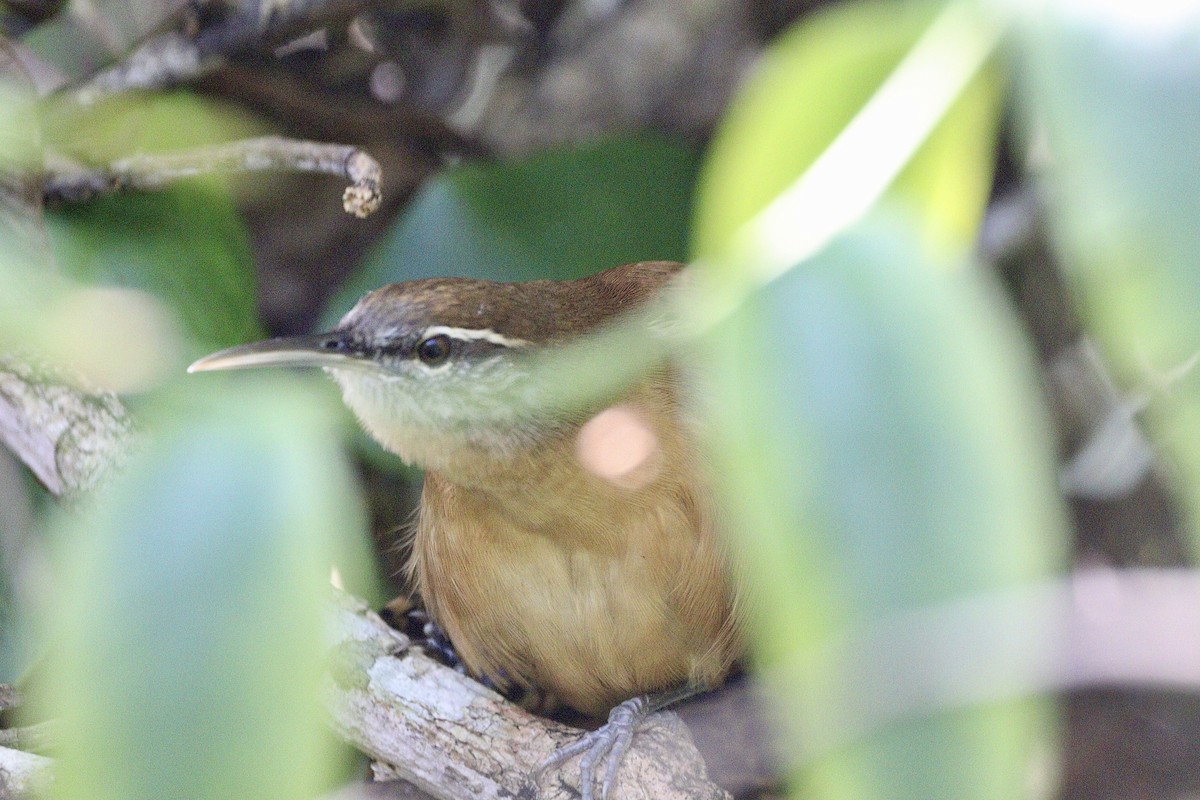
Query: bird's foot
point(609, 742)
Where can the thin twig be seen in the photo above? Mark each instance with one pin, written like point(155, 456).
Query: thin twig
point(154, 171)
point(161, 61)
point(172, 58)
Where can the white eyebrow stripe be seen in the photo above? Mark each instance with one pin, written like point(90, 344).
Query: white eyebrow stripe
point(474, 335)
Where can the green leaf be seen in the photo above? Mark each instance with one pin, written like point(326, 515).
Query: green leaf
point(189, 629)
point(1120, 103)
point(186, 245)
point(877, 430)
point(1116, 89)
point(18, 545)
point(560, 214)
point(137, 123)
point(24, 262)
point(813, 81)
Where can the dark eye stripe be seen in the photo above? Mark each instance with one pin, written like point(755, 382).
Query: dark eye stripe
point(398, 348)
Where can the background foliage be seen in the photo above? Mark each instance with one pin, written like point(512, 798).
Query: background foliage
point(883, 382)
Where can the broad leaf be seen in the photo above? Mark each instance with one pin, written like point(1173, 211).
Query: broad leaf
point(189, 623)
point(185, 245)
point(878, 437)
point(813, 81)
point(1115, 88)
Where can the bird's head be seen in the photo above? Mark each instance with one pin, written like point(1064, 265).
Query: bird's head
point(436, 368)
point(425, 365)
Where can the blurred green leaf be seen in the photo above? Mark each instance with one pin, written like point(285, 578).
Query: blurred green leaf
point(20, 145)
point(560, 215)
point(813, 81)
point(879, 438)
point(1120, 103)
point(25, 262)
point(1116, 89)
point(135, 123)
point(189, 628)
point(186, 245)
point(873, 415)
point(17, 543)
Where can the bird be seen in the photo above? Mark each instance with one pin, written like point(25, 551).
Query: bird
point(554, 554)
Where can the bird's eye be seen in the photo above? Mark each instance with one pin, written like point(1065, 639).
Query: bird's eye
point(434, 350)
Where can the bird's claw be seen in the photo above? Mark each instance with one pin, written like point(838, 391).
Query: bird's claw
point(609, 742)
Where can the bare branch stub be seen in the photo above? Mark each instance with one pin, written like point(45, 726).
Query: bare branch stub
point(268, 153)
point(364, 196)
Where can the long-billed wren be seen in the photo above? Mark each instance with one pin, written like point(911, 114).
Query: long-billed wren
point(542, 568)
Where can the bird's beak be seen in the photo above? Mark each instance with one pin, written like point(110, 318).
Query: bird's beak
point(319, 350)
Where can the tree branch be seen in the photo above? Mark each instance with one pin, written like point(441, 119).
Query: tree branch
point(68, 438)
point(454, 738)
point(23, 774)
point(171, 58)
point(153, 171)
